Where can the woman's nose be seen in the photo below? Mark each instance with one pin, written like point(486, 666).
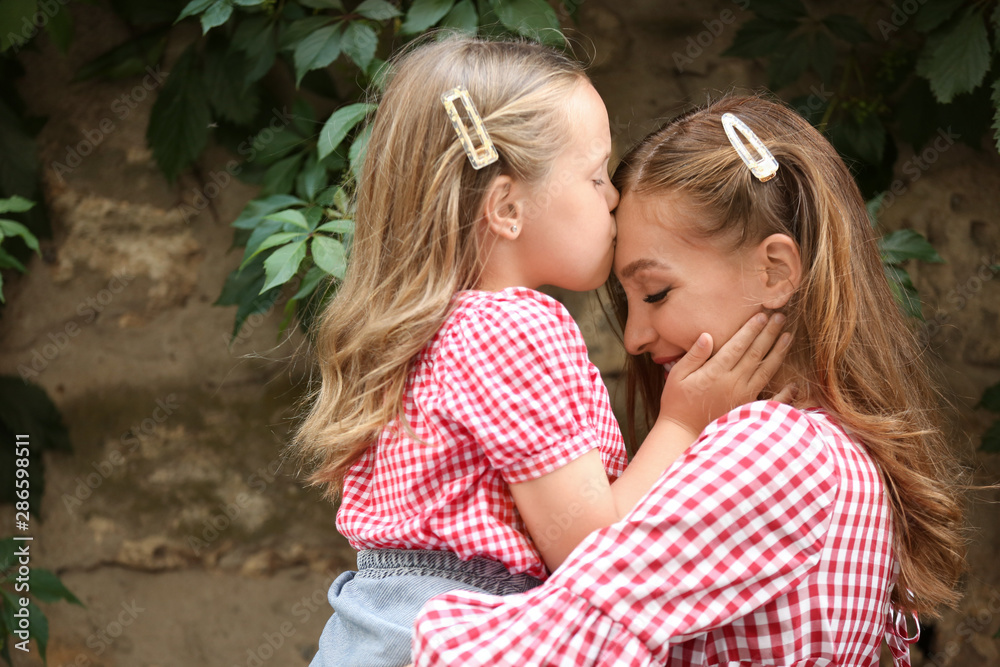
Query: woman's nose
point(613, 197)
point(638, 334)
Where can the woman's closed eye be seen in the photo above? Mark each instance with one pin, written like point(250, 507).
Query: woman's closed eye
point(656, 298)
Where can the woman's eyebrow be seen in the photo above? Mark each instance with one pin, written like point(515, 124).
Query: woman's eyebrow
point(638, 265)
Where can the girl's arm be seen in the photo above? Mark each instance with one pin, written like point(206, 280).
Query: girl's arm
point(561, 508)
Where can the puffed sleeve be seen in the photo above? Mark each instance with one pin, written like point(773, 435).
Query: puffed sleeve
point(737, 521)
point(517, 378)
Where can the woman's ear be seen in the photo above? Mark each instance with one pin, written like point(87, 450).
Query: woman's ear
point(781, 271)
point(502, 208)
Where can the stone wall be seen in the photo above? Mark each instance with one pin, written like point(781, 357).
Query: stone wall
point(177, 519)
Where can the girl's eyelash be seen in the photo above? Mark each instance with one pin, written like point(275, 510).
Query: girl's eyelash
point(598, 181)
point(656, 298)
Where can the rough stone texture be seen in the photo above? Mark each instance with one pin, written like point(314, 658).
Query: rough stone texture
point(177, 518)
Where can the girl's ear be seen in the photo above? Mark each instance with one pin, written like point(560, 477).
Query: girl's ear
point(781, 272)
point(503, 209)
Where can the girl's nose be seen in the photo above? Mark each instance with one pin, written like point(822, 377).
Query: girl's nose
point(638, 334)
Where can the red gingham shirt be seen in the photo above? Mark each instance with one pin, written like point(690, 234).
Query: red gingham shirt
point(503, 393)
point(767, 543)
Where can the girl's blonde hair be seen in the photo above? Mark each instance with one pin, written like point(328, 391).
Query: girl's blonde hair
point(853, 345)
point(416, 241)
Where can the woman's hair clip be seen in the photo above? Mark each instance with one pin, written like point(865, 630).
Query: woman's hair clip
point(487, 152)
point(764, 167)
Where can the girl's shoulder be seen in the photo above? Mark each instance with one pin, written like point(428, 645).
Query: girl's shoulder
point(514, 312)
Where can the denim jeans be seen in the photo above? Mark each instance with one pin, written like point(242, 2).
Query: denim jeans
point(375, 607)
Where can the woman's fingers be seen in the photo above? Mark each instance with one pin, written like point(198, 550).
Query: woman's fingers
point(694, 358)
point(765, 370)
point(750, 344)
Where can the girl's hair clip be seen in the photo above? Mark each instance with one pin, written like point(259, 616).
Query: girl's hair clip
point(487, 153)
point(764, 167)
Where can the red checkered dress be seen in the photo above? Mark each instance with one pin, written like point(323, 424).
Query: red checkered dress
point(767, 543)
point(503, 393)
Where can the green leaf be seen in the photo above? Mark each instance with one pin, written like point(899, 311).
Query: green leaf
point(904, 244)
point(463, 17)
point(194, 7)
point(8, 261)
point(425, 13)
point(933, 14)
point(864, 137)
point(216, 15)
point(323, 4)
point(243, 289)
point(225, 74)
point(248, 3)
point(314, 276)
point(131, 58)
point(60, 28)
point(377, 10)
point(534, 19)
point(311, 179)
point(13, 14)
point(956, 58)
point(360, 42)
point(779, 10)
point(290, 217)
point(847, 28)
point(989, 401)
point(47, 587)
point(758, 38)
point(906, 294)
point(178, 123)
point(255, 211)
point(996, 111)
point(283, 263)
point(15, 204)
point(281, 238)
point(39, 628)
point(873, 206)
point(317, 50)
point(339, 124)
point(328, 253)
point(358, 149)
point(280, 176)
point(991, 444)
point(11, 228)
point(337, 227)
point(8, 546)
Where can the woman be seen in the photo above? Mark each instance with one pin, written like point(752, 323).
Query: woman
point(786, 535)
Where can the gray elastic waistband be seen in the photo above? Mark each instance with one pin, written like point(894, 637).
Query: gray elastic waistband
point(489, 575)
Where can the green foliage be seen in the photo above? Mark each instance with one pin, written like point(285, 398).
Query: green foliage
point(11, 229)
point(17, 587)
point(868, 99)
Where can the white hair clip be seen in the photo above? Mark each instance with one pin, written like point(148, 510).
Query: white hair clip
point(487, 152)
point(764, 167)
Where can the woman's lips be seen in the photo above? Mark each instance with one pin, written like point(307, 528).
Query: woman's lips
point(667, 362)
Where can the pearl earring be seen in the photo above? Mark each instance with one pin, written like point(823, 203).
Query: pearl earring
point(513, 229)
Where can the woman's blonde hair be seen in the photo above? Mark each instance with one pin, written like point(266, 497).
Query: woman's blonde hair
point(416, 241)
point(853, 346)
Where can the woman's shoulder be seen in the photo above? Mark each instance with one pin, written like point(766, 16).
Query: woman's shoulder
point(782, 434)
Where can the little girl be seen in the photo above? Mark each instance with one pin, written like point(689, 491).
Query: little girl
point(470, 438)
point(785, 535)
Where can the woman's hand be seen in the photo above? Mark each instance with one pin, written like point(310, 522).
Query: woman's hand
point(701, 389)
